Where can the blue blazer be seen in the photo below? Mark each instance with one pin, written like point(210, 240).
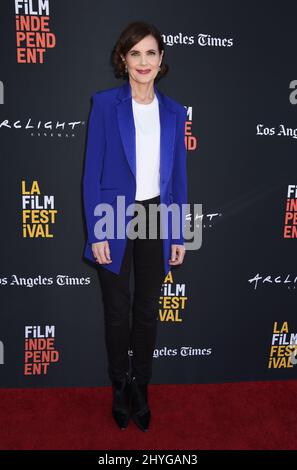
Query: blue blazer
point(110, 164)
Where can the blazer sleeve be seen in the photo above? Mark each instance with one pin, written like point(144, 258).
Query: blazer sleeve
point(95, 149)
point(179, 174)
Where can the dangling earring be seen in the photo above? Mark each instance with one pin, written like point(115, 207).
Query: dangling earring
point(126, 68)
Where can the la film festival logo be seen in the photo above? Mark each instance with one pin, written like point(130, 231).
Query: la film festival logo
point(173, 300)
point(283, 347)
point(38, 212)
point(291, 212)
point(33, 34)
point(40, 350)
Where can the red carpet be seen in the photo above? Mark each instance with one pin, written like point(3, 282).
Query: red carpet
point(244, 415)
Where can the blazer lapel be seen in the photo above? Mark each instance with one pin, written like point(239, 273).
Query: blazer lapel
point(128, 132)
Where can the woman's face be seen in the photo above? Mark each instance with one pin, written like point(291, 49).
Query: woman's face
point(144, 56)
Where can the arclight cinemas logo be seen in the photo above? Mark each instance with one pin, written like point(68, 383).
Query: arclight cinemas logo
point(33, 34)
point(37, 128)
point(40, 349)
point(275, 280)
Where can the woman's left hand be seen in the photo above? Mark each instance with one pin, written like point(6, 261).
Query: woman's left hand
point(177, 254)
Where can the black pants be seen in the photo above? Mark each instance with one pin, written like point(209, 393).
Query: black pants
point(148, 264)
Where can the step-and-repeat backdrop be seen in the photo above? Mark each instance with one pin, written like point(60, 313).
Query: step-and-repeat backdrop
point(229, 312)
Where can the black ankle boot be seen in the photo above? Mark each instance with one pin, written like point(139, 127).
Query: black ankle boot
point(140, 411)
point(120, 403)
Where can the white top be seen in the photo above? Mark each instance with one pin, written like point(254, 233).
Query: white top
point(147, 126)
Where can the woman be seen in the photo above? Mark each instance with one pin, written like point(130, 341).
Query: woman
point(136, 149)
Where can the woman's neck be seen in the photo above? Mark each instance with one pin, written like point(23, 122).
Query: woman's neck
point(142, 93)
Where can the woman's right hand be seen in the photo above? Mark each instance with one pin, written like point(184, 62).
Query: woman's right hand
point(101, 252)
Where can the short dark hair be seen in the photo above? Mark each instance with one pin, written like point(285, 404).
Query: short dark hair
point(131, 35)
